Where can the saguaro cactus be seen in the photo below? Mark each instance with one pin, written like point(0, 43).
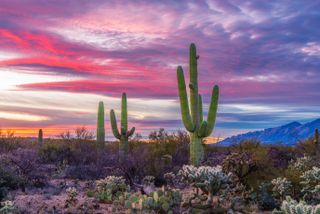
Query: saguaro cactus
point(40, 137)
point(123, 134)
point(100, 124)
point(193, 121)
point(316, 136)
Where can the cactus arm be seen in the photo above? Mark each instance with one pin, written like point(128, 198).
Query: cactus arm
point(200, 109)
point(124, 114)
point(114, 126)
point(203, 129)
point(184, 105)
point(131, 132)
point(212, 110)
point(194, 85)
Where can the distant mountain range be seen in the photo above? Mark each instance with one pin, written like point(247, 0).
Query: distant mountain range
point(288, 134)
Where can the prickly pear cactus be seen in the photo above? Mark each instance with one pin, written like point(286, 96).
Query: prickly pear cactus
point(193, 120)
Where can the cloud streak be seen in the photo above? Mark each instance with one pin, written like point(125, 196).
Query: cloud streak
point(264, 53)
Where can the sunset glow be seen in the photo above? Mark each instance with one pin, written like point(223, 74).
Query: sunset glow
point(58, 59)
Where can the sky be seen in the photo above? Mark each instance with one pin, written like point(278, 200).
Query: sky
point(59, 58)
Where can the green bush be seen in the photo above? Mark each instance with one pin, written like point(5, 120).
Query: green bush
point(250, 162)
point(9, 180)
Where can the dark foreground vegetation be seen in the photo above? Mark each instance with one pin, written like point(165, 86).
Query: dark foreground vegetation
point(76, 175)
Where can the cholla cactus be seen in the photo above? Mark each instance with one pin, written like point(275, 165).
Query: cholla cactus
point(210, 178)
point(301, 164)
point(72, 197)
point(290, 206)
point(148, 180)
point(114, 183)
point(281, 187)
point(311, 184)
point(109, 188)
point(207, 182)
point(169, 177)
point(7, 207)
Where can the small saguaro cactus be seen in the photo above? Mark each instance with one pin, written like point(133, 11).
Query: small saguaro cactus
point(100, 124)
point(193, 121)
point(123, 134)
point(316, 137)
point(40, 136)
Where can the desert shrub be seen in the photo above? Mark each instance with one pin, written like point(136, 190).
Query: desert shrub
point(78, 152)
point(308, 147)
point(84, 172)
point(161, 201)
point(110, 188)
point(167, 152)
point(240, 165)
point(290, 206)
point(8, 144)
point(9, 179)
point(281, 155)
point(214, 154)
point(251, 164)
point(54, 152)
point(311, 185)
point(281, 187)
point(207, 182)
point(264, 197)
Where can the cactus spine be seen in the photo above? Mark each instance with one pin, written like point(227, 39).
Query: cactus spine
point(193, 121)
point(123, 134)
point(40, 137)
point(100, 124)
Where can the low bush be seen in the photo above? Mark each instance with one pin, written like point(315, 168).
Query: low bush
point(9, 179)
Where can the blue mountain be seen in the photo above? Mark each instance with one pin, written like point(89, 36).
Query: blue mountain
point(289, 134)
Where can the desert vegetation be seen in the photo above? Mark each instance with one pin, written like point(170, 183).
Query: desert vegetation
point(172, 173)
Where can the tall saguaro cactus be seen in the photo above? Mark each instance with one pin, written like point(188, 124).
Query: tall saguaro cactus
point(317, 141)
point(123, 134)
point(316, 136)
point(193, 120)
point(100, 124)
point(40, 137)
